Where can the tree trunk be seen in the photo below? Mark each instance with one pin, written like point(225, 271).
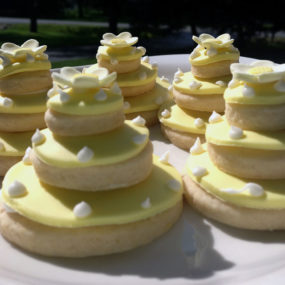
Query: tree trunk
point(33, 17)
point(113, 16)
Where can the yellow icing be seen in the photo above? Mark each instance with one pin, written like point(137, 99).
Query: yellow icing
point(54, 206)
point(26, 104)
point(218, 133)
point(15, 144)
point(18, 67)
point(120, 54)
point(215, 180)
point(82, 102)
point(147, 101)
point(208, 87)
point(265, 94)
point(182, 119)
point(260, 69)
point(109, 148)
point(223, 54)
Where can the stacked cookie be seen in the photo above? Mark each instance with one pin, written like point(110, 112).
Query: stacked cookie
point(24, 82)
point(91, 185)
point(143, 91)
point(240, 179)
point(200, 91)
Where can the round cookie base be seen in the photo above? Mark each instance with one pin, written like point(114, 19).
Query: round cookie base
point(121, 66)
point(248, 163)
point(97, 178)
point(86, 241)
point(181, 139)
point(72, 125)
point(7, 162)
point(149, 116)
point(239, 217)
point(256, 117)
point(205, 103)
point(215, 69)
point(137, 90)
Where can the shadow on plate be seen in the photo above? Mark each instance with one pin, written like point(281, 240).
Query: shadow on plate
point(186, 251)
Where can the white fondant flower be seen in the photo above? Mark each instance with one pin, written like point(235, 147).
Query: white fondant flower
point(91, 77)
point(260, 71)
point(207, 41)
point(124, 39)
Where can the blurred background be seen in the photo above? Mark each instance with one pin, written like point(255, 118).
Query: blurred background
point(72, 29)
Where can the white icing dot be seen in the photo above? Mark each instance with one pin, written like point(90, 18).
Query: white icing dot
point(215, 117)
point(85, 154)
point(139, 139)
point(6, 102)
point(26, 158)
point(165, 113)
point(113, 61)
point(116, 89)
point(100, 96)
point(16, 189)
point(178, 73)
point(199, 171)
point(254, 189)
point(127, 105)
point(145, 59)
point(38, 137)
point(211, 52)
point(142, 75)
point(2, 147)
point(235, 132)
point(196, 148)
point(29, 58)
point(194, 85)
point(5, 60)
point(146, 203)
point(15, 64)
point(231, 190)
point(177, 79)
point(233, 83)
point(142, 49)
point(170, 88)
point(221, 83)
point(163, 78)
point(154, 65)
point(139, 121)
point(164, 158)
point(63, 96)
point(280, 86)
point(159, 100)
point(248, 91)
point(174, 185)
point(82, 210)
point(199, 123)
point(81, 104)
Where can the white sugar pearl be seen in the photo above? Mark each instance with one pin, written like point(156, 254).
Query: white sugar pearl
point(85, 154)
point(82, 210)
point(235, 132)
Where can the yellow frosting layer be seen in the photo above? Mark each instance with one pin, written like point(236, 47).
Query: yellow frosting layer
point(26, 104)
point(148, 101)
point(215, 181)
point(83, 103)
point(18, 67)
point(182, 119)
point(109, 148)
point(54, 206)
point(265, 94)
point(218, 133)
point(120, 54)
point(222, 55)
point(208, 87)
point(15, 144)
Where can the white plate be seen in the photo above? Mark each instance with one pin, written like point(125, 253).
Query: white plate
point(195, 251)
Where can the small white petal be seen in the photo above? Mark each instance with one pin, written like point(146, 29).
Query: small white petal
point(235, 132)
point(5, 60)
point(142, 75)
point(197, 148)
point(85, 154)
point(199, 123)
point(16, 189)
point(194, 85)
point(280, 86)
point(165, 113)
point(38, 137)
point(163, 78)
point(233, 83)
point(82, 210)
point(199, 171)
point(139, 139)
point(139, 121)
point(194, 54)
point(146, 203)
point(154, 65)
point(145, 59)
point(254, 189)
point(164, 158)
point(211, 52)
point(100, 96)
point(248, 91)
point(174, 185)
point(221, 83)
point(127, 105)
point(27, 157)
point(142, 49)
point(116, 89)
point(6, 102)
point(53, 91)
point(63, 96)
point(215, 117)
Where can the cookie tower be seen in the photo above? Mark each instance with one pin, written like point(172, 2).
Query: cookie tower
point(24, 82)
point(91, 185)
point(200, 91)
point(240, 179)
point(142, 90)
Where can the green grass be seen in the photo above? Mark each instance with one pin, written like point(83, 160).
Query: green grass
point(74, 62)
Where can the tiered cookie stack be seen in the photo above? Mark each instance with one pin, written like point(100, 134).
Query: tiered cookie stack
point(24, 82)
point(200, 91)
point(240, 179)
point(143, 91)
point(91, 185)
